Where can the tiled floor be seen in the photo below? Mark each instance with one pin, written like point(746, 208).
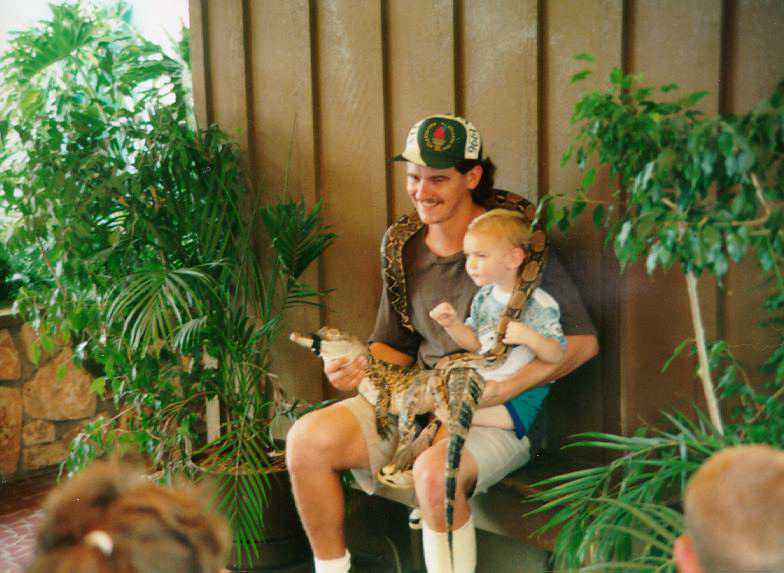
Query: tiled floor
point(20, 515)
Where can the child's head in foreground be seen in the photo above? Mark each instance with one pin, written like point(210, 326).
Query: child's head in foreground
point(111, 518)
point(495, 246)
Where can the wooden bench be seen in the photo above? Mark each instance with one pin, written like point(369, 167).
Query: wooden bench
point(501, 509)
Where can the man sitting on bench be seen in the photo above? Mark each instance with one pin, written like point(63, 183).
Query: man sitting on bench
point(450, 184)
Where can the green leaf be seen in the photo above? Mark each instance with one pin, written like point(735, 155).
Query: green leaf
point(98, 386)
point(46, 342)
point(588, 178)
point(720, 265)
point(567, 155)
point(60, 372)
point(35, 352)
point(676, 353)
point(726, 143)
point(585, 57)
point(598, 215)
point(745, 160)
point(581, 75)
point(693, 99)
point(578, 207)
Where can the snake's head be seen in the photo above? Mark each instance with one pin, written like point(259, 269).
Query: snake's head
point(330, 343)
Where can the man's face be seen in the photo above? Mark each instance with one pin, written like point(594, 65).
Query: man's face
point(438, 194)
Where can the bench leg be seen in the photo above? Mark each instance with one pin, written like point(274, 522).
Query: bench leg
point(417, 555)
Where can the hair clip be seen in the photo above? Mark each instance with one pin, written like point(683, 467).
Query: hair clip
point(100, 540)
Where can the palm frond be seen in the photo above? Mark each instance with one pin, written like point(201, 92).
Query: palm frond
point(155, 303)
point(239, 465)
point(63, 36)
point(297, 235)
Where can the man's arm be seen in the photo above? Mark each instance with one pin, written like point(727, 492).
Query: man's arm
point(345, 374)
point(386, 353)
point(579, 350)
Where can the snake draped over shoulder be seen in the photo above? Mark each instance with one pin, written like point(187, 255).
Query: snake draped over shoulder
point(408, 225)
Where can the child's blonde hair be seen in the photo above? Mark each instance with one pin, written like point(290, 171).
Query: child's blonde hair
point(510, 225)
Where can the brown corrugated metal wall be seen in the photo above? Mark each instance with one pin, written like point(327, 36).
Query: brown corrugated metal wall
point(347, 78)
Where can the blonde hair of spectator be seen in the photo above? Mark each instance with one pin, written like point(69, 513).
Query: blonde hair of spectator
point(112, 518)
point(502, 223)
point(734, 511)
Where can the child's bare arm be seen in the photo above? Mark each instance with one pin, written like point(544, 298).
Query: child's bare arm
point(547, 349)
point(445, 315)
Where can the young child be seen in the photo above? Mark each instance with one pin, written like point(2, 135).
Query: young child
point(494, 248)
point(110, 518)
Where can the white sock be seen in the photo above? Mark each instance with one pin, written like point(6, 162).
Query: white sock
point(436, 549)
point(339, 565)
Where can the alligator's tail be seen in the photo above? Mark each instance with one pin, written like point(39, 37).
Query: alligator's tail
point(465, 387)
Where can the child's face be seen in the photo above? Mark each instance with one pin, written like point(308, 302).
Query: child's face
point(491, 260)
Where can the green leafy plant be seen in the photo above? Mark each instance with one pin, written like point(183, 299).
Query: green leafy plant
point(153, 240)
point(700, 192)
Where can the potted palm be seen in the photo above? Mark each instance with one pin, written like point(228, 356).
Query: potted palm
point(165, 273)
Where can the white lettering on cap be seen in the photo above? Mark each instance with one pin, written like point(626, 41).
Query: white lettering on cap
point(473, 143)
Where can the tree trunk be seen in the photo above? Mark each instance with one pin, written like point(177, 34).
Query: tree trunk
point(702, 354)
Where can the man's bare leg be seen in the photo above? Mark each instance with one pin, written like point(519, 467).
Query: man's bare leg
point(430, 489)
point(319, 446)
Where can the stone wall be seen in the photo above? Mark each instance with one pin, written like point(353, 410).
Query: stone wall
point(39, 413)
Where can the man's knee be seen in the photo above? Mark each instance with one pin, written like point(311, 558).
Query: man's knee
point(323, 439)
point(429, 478)
point(309, 442)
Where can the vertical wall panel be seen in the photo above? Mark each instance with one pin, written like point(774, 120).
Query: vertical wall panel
point(499, 69)
point(358, 73)
point(672, 41)
point(755, 56)
point(420, 75)
point(352, 157)
point(197, 13)
point(283, 134)
point(570, 28)
point(228, 79)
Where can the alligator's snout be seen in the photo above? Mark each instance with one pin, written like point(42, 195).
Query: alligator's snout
point(312, 343)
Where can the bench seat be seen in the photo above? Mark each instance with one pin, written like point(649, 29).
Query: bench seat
point(500, 510)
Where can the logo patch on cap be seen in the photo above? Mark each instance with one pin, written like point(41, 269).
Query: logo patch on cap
point(441, 141)
point(439, 136)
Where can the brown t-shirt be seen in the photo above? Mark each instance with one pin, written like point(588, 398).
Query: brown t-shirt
point(431, 279)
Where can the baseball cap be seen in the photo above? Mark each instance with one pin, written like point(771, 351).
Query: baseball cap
point(441, 141)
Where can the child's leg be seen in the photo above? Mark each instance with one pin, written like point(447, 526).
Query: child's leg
point(495, 416)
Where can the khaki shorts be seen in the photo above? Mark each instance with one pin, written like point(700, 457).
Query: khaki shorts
point(497, 452)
